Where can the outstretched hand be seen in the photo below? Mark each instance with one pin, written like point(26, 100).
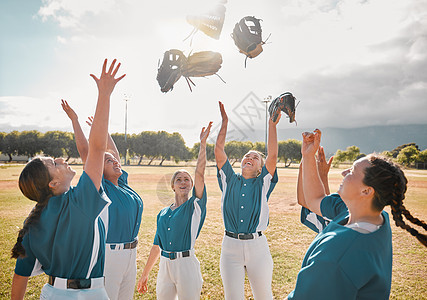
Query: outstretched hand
point(310, 142)
point(205, 133)
point(271, 122)
point(223, 113)
point(323, 166)
point(89, 121)
point(107, 82)
point(68, 110)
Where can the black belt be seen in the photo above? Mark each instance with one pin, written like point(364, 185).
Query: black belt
point(242, 236)
point(174, 255)
point(77, 284)
point(131, 245)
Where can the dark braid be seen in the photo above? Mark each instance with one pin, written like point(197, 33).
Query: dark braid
point(34, 184)
point(390, 184)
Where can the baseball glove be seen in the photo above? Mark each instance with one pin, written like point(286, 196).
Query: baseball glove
point(201, 64)
point(170, 70)
point(247, 35)
point(210, 22)
point(286, 103)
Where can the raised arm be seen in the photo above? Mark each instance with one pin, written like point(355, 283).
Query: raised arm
point(300, 189)
point(99, 129)
point(313, 188)
point(81, 141)
point(272, 147)
point(152, 259)
point(220, 156)
point(323, 168)
point(111, 145)
point(199, 178)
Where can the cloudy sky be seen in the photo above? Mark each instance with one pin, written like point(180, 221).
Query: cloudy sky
point(350, 63)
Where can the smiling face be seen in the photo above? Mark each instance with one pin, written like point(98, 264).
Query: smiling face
point(112, 167)
point(182, 183)
point(251, 164)
point(60, 173)
point(352, 186)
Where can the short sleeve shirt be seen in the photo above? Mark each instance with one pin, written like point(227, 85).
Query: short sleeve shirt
point(244, 202)
point(68, 241)
point(125, 211)
point(342, 263)
point(178, 229)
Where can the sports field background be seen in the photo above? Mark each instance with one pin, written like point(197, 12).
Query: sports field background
point(288, 238)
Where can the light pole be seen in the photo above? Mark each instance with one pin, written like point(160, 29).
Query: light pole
point(266, 100)
point(126, 98)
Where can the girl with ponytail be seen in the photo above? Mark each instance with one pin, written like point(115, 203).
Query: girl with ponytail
point(351, 258)
point(64, 236)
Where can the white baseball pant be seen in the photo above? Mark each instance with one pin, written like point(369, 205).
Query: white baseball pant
point(250, 255)
point(120, 273)
point(179, 278)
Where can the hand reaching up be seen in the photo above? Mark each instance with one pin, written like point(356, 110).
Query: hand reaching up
point(107, 82)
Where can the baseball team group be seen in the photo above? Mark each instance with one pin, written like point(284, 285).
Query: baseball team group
point(85, 237)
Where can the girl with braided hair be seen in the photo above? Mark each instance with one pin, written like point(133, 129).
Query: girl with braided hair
point(64, 235)
point(351, 258)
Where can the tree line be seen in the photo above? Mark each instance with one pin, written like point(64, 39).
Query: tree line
point(406, 154)
point(163, 146)
point(150, 145)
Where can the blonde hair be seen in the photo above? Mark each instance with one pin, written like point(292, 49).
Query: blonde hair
point(178, 172)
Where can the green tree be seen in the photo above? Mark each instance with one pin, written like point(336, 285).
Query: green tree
point(56, 143)
point(236, 150)
point(176, 148)
point(395, 152)
point(386, 153)
point(11, 144)
point(2, 136)
point(260, 146)
point(29, 143)
point(353, 153)
point(422, 156)
point(289, 151)
point(407, 155)
point(119, 140)
point(349, 155)
point(71, 149)
point(210, 155)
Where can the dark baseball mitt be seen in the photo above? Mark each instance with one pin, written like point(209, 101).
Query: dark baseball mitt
point(170, 70)
point(247, 35)
point(286, 103)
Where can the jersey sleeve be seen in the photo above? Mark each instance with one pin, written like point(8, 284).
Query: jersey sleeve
point(202, 201)
point(332, 205)
point(225, 174)
point(85, 196)
point(312, 221)
point(199, 213)
point(25, 266)
point(156, 236)
point(268, 180)
point(323, 280)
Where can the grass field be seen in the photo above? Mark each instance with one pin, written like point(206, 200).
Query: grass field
point(288, 238)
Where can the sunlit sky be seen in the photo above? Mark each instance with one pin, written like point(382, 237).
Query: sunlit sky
point(350, 63)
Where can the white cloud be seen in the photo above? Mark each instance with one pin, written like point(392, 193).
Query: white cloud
point(351, 63)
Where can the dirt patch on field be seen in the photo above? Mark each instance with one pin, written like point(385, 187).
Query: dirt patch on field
point(8, 184)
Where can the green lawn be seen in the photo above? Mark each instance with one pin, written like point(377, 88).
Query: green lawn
point(288, 238)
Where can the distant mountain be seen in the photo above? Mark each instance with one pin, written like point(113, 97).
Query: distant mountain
point(368, 139)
